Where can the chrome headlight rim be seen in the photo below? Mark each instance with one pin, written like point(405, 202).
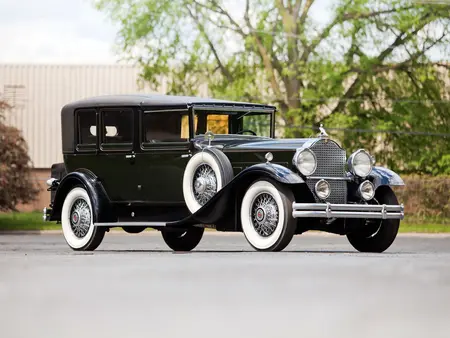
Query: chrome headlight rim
point(360, 188)
point(296, 164)
point(316, 189)
point(351, 166)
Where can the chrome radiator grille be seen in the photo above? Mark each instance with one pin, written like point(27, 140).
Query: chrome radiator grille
point(330, 163)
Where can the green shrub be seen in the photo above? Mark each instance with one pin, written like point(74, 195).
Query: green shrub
point(425, 196)
point(16, 183)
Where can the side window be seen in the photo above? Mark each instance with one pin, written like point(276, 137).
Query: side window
point(87, 129)
point(165, 126)
point(117, 130)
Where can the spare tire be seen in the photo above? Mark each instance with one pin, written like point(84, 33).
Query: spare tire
point(206, 173)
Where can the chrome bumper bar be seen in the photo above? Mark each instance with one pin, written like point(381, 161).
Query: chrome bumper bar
point(329, 210)
point(46, 212)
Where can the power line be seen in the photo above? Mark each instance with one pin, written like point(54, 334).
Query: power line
point(345, 100)
point(422, 133)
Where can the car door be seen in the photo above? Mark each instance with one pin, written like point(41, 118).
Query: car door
point(164, 153)
point(114, 162)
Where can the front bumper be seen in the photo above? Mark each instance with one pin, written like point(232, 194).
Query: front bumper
point(365, 211)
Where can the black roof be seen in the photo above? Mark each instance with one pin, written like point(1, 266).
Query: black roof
point(152, 101)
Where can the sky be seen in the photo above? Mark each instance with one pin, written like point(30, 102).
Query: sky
point(55, 31)
point(60, 31)
point(73, 31)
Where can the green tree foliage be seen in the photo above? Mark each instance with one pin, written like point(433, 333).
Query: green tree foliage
point(370, 65)
point(16, 184)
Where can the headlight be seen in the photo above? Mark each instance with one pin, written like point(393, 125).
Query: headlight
point(322, 189)
point(360, 163)
point(366, 190)
point(305, 161)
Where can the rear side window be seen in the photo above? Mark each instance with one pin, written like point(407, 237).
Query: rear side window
point(117, 129)
point(87, 129)
point(165, 126)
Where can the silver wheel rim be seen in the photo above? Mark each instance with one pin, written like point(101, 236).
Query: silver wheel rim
point(380, 223)
point(264, 214)
point(80, 218)
point(204, 183)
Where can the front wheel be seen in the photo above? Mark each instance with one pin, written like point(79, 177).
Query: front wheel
point(378, 235)
point(266, 216)
point(183, 240)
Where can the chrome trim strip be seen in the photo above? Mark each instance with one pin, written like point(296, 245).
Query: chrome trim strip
point(131, 224)
point(329, 210)
point(329, 178)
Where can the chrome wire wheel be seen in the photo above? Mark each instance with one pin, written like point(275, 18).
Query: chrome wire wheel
point(265, 214)
point(77, 218)
point(80, 218)
point(204, 183)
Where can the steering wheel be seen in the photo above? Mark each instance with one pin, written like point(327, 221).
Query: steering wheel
point(246, 131)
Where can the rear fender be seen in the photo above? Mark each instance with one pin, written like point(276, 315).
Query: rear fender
point(102, 211)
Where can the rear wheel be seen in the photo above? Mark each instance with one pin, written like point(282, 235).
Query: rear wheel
point(377, 235)
point(266, 216)
point(77, 222)
point(183, 240)
point(133, 230)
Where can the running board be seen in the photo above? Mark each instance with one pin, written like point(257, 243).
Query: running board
point(131, 224)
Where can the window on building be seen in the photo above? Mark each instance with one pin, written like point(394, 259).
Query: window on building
point(165, 126)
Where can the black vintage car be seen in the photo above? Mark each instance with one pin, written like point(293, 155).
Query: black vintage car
point(182, 164)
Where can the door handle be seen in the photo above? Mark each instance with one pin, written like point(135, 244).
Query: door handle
point(130, 156)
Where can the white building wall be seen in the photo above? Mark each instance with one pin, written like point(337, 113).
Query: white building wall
point(38, 92)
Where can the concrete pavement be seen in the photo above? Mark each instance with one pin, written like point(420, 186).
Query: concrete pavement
point(134, 286)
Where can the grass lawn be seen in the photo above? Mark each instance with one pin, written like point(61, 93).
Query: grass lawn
point(25, 221)
point(33, 221)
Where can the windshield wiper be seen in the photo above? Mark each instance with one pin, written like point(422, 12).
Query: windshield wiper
point(241, 116)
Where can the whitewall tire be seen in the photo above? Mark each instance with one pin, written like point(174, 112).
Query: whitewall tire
point(266, 216)
point(206, 173)
point(77, 221)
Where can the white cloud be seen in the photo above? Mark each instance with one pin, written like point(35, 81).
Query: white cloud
point(55, 31)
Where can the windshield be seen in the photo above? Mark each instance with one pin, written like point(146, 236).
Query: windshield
point(229, 122)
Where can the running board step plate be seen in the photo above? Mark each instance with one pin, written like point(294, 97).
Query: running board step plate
point(131, 224)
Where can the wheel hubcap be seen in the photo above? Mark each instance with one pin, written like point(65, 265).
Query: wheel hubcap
point(205, 184)
point(80, 218)
point(264, 214)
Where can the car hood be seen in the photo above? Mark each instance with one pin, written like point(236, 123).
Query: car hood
point(246, 143)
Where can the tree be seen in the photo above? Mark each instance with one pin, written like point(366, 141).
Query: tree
point(371, 65)
point(16, 183)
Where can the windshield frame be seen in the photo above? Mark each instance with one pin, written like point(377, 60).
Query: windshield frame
point(233, 110)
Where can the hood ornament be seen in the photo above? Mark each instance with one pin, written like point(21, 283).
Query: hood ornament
point(323, 133)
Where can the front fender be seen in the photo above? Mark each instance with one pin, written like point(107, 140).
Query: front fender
point(273, 170)
point(209, 213)
point(383, 176)
point(101, 206)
